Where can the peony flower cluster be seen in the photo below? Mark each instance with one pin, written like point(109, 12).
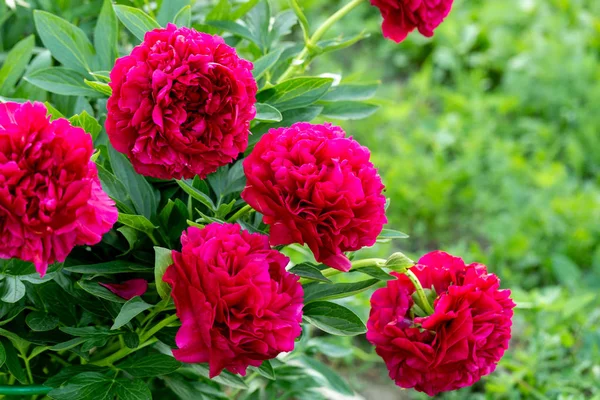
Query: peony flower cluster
point(316, 186)
point(237, 303)
point(50, 195)
point(459, 343)
point(181, 104)
point(400, 17)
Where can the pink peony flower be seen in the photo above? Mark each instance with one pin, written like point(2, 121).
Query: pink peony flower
point(237, 303)
point(128, 289)
point(50, 196)
point(400, 17)
point(464, 338)
point(315, 186)
point(181, 104)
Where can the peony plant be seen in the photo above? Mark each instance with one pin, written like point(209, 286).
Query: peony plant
point(189, 230)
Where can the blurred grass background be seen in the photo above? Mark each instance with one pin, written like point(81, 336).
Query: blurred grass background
point(488, 141)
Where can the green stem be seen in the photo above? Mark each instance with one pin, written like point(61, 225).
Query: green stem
point(415, 281)
point(241, 212)
point(24, 390)
point(146, 340)
point(314, 39)
point(367, 262)
point(154, 241)
point(28, 369)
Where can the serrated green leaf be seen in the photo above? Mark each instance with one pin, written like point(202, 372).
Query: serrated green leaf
point(87, 122)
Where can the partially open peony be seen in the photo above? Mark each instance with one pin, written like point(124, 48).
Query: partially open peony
point(181, 104)
point(50, 195)
point(459, 343)
point(237, 303)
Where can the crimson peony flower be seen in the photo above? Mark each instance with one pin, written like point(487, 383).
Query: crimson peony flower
point(237, 303)
point(181, 104)
point(464, 338)
point(400, 17)
point(128, 289)
point(50, 196)
point(316, 186)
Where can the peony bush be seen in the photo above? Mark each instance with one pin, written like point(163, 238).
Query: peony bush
point(191, 227)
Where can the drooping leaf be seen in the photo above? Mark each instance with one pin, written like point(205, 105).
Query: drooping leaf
point(15, 63)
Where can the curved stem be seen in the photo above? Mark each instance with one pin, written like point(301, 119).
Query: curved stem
point(241, 212)
point(415, 281)
point(321, 30)
point(367, 262)
point(158, 327)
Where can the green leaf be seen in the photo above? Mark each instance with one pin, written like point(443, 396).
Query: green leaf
point(267, 113)
point(150, 365)
point(399, 262)
point(566, 271)
point(99, 87)
point(2, 355)
point(333, 319)
point(69, 344)
point(330, 291)
point(289, 117)
point(106, 36)
point(110, 267)
point(130, 310)
point(169, 10)
point(95, 289)
point(137, 21)
point(376, 273)
point(87, 331)
point(13, 289)
point(132, 390)
point(12, 361)
point(138, 222)
point(40, 321)
point(332, 379)
point(309, 271)
point(263, 64)
point(116, 190)
point(53, 112)
point(388, 234)
point(351, 92)
point(67, 43)
point(295, 93)
point(232, 27)
point(84, 386)
point(266, 370)
point(131, 339)
point(15, 63)
point(224, 378)
point(69, 372)
point(348, 110)
point(196, 194)
point(101, 75)
point(183, 17)
point(141, 192)
point(302, 18)
point(163, 260)
point(87, 122)
point(258, 21)
point(61, 80)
